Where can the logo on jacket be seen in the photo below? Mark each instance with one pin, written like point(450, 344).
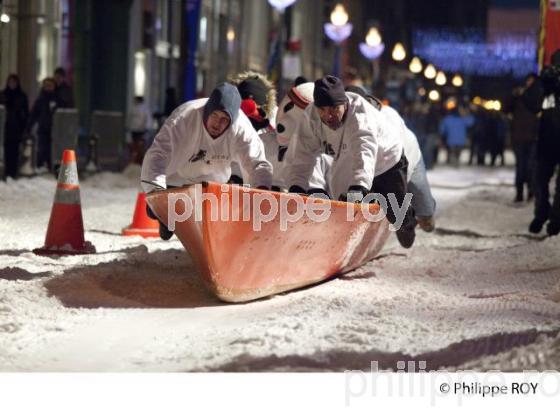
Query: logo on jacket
point(199, 156)
point(329, 150)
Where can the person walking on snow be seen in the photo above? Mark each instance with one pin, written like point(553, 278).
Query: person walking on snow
point(453, 128)
point(139, 121)
point(198, 143)
point(365, 157)
point(15, 102)
point(543, 97)
point(42, 113)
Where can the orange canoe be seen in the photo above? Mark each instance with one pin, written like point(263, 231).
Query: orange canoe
point(240, 262)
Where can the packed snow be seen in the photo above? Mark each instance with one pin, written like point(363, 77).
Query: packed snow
point(479, 293)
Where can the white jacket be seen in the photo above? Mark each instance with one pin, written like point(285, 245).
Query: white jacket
point(139, 118)
point(184, 153)
point(271, 149)
point(409, 140)
point(362, 148)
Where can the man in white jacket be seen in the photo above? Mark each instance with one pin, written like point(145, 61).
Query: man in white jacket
point(365, 156)
point(199, 141)
point(423, 202)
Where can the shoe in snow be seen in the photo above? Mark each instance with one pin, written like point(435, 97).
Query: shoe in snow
point(426, 223)
point(552, 229)
point(164, 233)
point(406, 237)
point(536, 226)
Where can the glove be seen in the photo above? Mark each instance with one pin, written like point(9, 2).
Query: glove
point(264, 188)
point(235, 180)
point(296, 189)
point(355, 194)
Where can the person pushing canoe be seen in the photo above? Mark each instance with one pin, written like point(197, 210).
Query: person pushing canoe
point(365, 155)
point(198, 142)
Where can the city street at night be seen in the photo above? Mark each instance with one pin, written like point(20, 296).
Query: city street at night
point(307, 204)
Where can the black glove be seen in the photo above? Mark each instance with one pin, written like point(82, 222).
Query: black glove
point(264, 188)
point(235, 180)
point(296, 189)
point(356, 193)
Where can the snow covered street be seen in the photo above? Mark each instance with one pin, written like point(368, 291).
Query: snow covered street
point(479, 293)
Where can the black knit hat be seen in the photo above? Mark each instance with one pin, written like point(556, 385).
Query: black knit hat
point(254, 89)
point(329, 92)
point(225, 97)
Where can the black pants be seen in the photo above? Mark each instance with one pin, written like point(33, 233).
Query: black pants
point(11, 157)
point(151, 213)
point(394, 182)
point(524, 167)
point(44, 149)
point(546, 166)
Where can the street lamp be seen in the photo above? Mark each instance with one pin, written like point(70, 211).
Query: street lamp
point(415, 65)
point(338, 30)
point(280, 5)
point(441, 79)
point(373, 47)
point(399, 53)
point(230, 36)
point(430, 72)
point(434, 95)
point(457, 80)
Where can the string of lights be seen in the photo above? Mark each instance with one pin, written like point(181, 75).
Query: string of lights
point(469, 52)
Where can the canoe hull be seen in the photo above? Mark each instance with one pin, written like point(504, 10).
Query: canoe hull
point(241, 260)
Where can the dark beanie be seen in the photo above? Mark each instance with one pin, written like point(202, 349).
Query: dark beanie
point(225, 97)
point(254, 89)
point(329, 92)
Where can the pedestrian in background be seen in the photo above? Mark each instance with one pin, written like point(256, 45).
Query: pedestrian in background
point(543, 97)
point(17, 112)
point(42, 114)
point(524, 125)
point(64, 92)
point(139, 122)
point(496, 133)
point(453, 129)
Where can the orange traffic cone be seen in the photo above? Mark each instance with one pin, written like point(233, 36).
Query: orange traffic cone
point(65, 234)
point(142, 224)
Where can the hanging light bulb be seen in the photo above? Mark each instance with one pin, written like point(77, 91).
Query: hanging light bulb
point(399, 53)
point(339, 17)
point(430, 72)
point(441, 79)
point(457, 80)
point(415, 65)
point(373, 37)
point(434, 95)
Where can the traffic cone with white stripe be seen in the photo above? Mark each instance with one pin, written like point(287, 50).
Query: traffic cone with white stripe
point(142, 224)
point(65, 233)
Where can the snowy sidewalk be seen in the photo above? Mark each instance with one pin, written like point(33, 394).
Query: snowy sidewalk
point(477, 293)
